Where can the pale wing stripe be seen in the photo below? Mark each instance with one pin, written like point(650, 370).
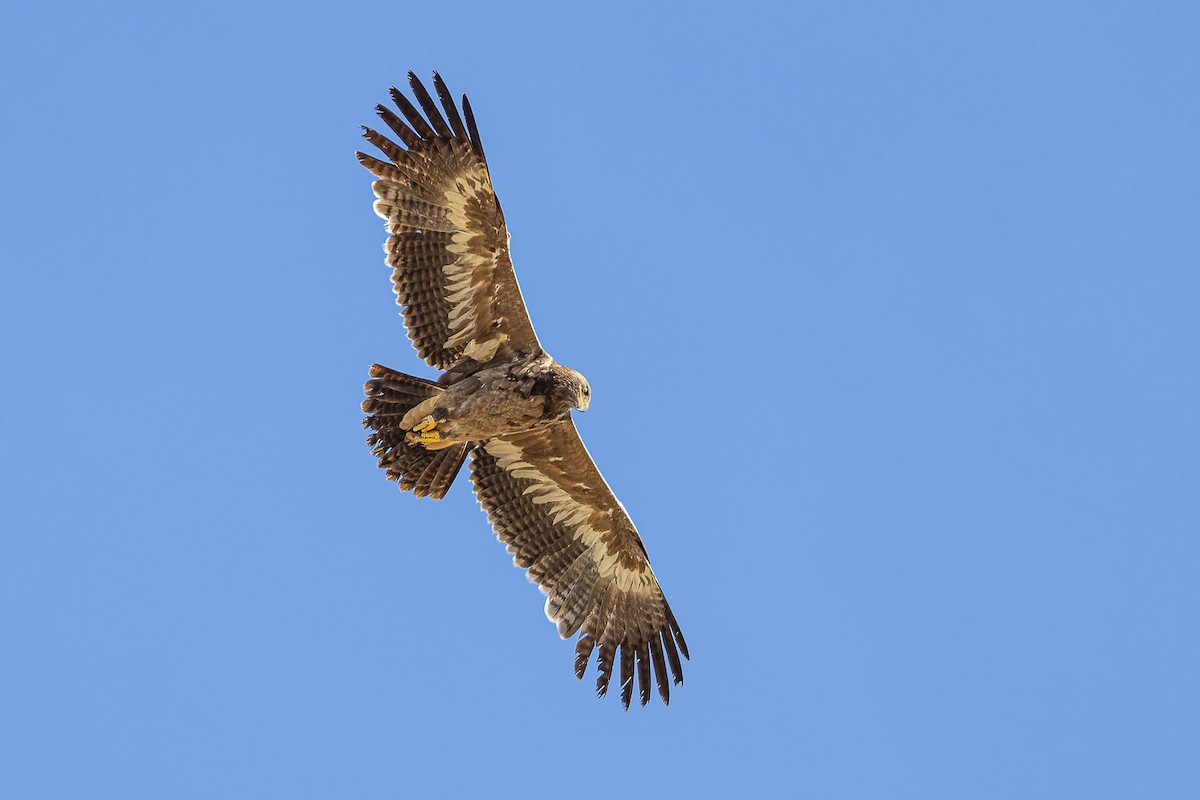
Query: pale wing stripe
point(508, 456)
point(565, 509)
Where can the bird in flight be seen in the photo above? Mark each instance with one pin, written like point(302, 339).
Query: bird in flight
point(501, 399)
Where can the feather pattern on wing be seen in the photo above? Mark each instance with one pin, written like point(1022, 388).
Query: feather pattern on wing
point(549, 504)
point(448, 249)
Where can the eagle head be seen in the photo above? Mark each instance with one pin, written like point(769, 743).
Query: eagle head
point(571, 389)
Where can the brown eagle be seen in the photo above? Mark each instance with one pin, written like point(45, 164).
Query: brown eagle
point(501, 399)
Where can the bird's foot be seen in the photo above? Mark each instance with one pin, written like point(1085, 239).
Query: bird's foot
point(425, 432)
point(424, 437)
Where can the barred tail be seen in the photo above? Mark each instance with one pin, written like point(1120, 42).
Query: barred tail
point(390, 395)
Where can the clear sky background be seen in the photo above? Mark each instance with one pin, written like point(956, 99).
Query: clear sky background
point(890, 312)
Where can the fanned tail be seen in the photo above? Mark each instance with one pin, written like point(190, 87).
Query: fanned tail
point(390, 395)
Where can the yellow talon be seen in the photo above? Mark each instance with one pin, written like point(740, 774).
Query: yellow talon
point(424, 437)
point(427, 424)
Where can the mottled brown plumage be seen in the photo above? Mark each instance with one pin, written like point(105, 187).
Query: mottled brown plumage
point(503, 400)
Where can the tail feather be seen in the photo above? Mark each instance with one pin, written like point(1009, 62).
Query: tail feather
point(390, 395)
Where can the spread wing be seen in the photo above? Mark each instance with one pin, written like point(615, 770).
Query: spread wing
point(550, 505)
point(449, 245)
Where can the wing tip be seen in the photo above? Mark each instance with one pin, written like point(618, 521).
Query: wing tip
point(473, 129)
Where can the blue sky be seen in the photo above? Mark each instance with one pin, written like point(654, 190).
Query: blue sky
point(890, 314)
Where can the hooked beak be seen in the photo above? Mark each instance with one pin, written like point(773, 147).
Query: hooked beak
point(582, 404)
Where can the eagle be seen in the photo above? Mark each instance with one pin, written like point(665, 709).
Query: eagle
point(501, 399)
